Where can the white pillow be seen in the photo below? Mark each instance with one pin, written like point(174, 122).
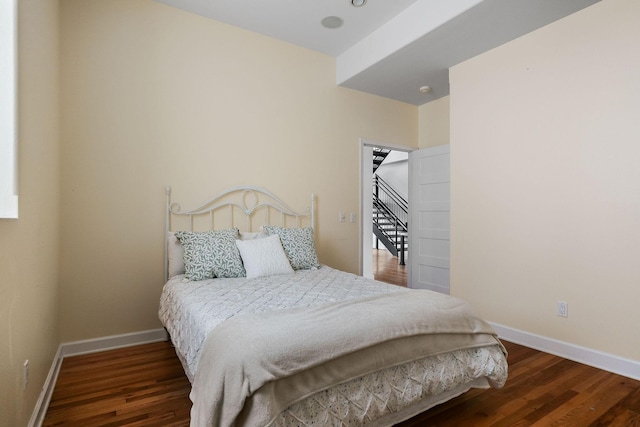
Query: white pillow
point(175, 255)
point(298, 246)
point(264, 257)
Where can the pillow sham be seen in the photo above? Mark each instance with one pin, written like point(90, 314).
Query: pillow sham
point(211, 254)
point(175, 255)
point(263, 257)
point(298, 245)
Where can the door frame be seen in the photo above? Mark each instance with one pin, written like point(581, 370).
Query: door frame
point(366, 201)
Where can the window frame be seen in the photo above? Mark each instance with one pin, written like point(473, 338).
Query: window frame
point(8, 110)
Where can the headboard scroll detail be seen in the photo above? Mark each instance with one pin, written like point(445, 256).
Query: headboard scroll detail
point(252, 199)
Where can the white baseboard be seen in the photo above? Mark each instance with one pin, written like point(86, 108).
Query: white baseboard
point(93, 345)
point(40, 410)
point(605, 361)
point(75, 348)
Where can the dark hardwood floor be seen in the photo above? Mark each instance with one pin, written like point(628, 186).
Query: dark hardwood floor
point(134, 386)
point(543, 390)
point(387, 268)
point(145, 386)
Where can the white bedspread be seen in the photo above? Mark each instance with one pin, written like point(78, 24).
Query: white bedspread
point(190, 310)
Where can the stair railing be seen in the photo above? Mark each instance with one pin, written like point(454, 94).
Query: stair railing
point(391, 208)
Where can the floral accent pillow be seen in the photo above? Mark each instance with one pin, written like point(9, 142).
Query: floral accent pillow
point(298, 245)
point(209, 254)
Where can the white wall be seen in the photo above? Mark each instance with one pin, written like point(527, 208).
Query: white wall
point(545, 180)
point(395, 171)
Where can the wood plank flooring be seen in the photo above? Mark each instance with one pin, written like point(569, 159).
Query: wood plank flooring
point(134, 386)
point(386, 268)
point(145, 386)
point(543, 390)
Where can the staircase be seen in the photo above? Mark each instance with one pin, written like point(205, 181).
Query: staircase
point(379, 154)
point(390, 218)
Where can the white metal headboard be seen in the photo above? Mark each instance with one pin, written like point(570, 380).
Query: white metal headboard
point(246, 199)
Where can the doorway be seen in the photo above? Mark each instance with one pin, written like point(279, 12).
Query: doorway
point(428, 264)
point(396, 171)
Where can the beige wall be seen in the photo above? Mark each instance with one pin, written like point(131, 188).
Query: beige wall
point(546, 181)
point(156, 96)
point(545, 191)
point(433, 123)
point(29, 246)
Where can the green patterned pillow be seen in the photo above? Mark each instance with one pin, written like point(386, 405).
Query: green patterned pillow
point(298, 245)
point(209, 254)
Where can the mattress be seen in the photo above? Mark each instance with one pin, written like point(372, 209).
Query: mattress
point(191, 310)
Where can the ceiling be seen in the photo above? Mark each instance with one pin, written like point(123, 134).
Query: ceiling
point(391, 48)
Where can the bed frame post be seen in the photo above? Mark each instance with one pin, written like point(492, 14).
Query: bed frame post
point(167, 224)
point(313, 212)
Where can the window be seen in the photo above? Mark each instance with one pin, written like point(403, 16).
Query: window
point(8, 104)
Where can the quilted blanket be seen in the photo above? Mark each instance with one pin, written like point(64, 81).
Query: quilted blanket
point(287, 355)
point(191, 310)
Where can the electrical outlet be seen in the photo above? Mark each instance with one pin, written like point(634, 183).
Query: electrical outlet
point(25, 374)
point(563, 309)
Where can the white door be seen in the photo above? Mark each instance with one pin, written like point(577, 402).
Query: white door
point(429, 224)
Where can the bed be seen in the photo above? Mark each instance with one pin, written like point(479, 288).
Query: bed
point(268, 336)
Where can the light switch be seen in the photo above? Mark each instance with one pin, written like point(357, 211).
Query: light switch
point(341, 217)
